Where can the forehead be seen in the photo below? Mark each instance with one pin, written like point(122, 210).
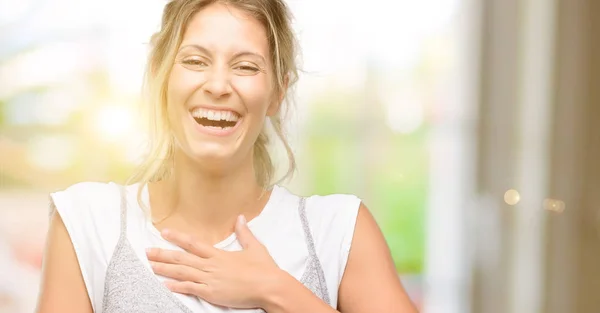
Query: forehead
point(223, 28)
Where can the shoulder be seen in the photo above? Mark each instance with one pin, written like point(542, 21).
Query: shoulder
point(90, 212)
point(324, 211)
point(333, 211)
point(86, 190)
point(85, 196)
point(88, 208)
point(333, 202)
point(332, 219)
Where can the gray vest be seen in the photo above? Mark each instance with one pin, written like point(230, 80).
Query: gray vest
point(130, 287)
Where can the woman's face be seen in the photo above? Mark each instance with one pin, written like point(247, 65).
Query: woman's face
point(221, 86)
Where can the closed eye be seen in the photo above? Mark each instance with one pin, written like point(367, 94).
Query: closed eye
point(247, 68)
point(193, 62)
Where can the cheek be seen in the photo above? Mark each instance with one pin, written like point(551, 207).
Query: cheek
point(255, 93)
point(182, 84)
point(179, 88)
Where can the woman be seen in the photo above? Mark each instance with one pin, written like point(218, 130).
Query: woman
point(176, 239)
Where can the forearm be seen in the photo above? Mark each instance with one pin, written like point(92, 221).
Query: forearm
point(288, 295)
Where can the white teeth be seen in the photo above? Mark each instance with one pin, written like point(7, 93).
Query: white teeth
point(216, 115)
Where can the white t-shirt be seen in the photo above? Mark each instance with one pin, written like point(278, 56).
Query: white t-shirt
point(91, 214)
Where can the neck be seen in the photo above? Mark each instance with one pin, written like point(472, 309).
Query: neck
point(206, 200)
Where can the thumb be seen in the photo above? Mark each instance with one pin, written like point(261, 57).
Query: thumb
point(244, 235)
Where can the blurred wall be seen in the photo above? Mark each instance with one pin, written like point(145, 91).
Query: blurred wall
point(538, 136)
point(573, 241)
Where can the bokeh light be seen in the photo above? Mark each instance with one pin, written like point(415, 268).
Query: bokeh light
point(113, 123)
point(512, 197)
point(554, 205)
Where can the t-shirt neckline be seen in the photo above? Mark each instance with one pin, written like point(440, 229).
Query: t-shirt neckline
point(255, 223)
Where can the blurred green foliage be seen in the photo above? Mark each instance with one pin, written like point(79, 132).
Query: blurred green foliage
point(387, 170)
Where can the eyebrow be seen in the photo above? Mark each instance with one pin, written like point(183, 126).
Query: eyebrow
point(237, 55)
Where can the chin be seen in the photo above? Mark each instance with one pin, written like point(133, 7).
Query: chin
point(214, 156)
point(213, 152)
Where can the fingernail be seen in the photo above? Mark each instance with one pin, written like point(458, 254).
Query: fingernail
point(165, 232)
point(242, 219)
point(148, 250)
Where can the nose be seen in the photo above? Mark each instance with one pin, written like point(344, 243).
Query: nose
point(217, 83)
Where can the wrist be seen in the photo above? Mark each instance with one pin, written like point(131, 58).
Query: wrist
point(277, 286)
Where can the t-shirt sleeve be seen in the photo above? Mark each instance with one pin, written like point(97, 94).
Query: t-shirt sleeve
point(332, 221)
point(350, 224)
point(85, 210)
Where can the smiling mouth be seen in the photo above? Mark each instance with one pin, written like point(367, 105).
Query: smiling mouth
point(215, 119)
point(212, 123)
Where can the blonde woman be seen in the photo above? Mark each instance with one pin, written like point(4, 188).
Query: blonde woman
point(202, 228)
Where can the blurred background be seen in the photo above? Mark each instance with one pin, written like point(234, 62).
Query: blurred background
point(468, 127)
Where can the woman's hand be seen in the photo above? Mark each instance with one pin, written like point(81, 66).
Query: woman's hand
point(238, 279)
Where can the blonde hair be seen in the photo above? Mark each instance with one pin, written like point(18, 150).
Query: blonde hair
point(275, 17)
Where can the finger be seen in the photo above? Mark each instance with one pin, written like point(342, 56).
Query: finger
point(189, 288)
point(174, 257)
point(178, 272)
point(244, 234)
point(189, 244)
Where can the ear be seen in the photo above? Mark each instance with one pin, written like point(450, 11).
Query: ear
point(278, 99)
